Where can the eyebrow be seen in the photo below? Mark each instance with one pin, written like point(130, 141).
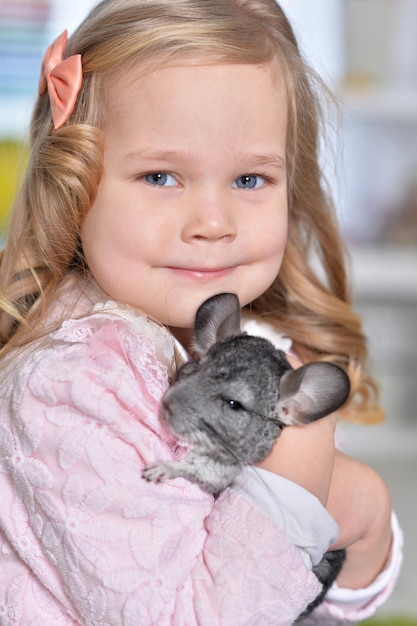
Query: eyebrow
point(275, 160)
point(256, 160)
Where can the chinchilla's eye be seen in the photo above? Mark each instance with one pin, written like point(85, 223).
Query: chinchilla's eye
point(234, 405)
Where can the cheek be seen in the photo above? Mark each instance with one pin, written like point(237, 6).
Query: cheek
point(107, 247)
point(91, 237)
point(109, 235)
point(270, 243)
point(273, 238)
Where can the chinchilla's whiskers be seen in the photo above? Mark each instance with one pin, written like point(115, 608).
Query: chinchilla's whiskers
point(275, 420)
point(214, 434)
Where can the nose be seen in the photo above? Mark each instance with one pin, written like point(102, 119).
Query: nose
point(209, 217)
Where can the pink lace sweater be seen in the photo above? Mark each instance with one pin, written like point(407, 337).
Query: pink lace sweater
point(83, 539)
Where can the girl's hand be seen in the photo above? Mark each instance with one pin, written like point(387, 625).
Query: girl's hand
point(360, 503)
point(353, 493)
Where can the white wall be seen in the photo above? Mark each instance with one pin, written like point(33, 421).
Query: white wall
point(318, 25)
point(68, 15)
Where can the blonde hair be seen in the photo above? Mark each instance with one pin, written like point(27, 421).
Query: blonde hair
point(65, 167)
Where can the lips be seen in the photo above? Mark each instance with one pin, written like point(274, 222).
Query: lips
point(203, 273)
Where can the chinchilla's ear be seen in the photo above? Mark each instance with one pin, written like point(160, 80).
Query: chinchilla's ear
point(217, 318)
point(312, 391)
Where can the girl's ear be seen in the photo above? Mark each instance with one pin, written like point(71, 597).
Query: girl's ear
point(217, 318)
point(311, 392)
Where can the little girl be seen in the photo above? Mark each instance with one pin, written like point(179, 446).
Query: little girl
point(173, 157)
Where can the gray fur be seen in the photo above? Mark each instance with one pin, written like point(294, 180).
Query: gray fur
point(232, 402)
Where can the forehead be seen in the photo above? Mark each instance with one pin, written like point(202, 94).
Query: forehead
point(117, 83)
point(136, 68)
point(184, 99)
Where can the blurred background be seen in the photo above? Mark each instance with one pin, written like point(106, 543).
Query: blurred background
point(367, 52)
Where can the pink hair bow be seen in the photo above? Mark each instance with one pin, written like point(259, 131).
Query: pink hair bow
point(62, 79)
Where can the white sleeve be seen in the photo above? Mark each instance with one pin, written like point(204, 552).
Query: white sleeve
point(300, 514)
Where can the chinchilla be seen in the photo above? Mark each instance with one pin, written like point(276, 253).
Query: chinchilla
point(231, 403)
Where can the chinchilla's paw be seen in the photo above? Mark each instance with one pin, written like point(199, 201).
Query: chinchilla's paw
point(158, 472)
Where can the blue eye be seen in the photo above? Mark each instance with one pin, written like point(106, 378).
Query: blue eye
point(249, 181)
point(160, 179)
